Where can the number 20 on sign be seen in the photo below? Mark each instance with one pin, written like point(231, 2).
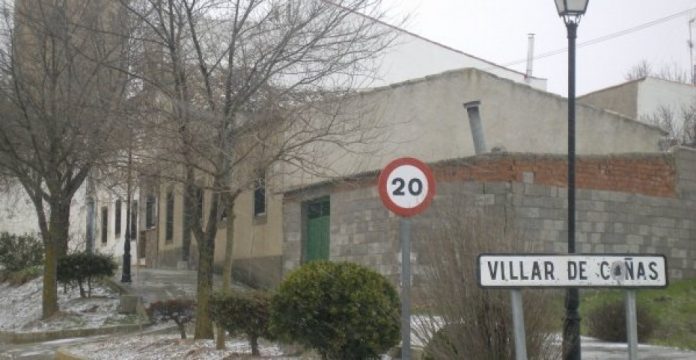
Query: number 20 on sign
point(406, 186)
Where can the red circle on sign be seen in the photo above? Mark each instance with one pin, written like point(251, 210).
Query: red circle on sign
point(382, 184)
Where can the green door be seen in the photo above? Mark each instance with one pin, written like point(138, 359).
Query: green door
point(317, 245)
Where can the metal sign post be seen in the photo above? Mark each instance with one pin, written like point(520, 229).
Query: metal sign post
point(405, 236)
point(631, 325)
point(518, 324)
point(406, 187)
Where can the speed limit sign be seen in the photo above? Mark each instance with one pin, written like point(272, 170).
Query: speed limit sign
point(406, 186)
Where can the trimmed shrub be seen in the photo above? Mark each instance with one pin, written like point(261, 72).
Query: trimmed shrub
point(342, 310)
point(244, 312)
point(181, 311)
point(19, 252)
point(607, 321)
point(83, 268)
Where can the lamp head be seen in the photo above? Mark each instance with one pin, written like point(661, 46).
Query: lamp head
point(571, 10)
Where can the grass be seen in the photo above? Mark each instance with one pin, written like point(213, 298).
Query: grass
point(674, 307)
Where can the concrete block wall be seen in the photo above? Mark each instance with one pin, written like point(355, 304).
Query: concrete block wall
point(625, 204)
point(685, 159)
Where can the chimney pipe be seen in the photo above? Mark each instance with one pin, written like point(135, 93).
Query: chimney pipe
point(472, 109)
point(530, 58)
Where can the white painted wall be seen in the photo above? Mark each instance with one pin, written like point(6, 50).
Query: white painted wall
point(106, 198)
point(413, 57)
point(18, 216)
point(653, 93)
point(639, 99)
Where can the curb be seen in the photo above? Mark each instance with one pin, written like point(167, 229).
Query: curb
point(139, 308)
point(33, 337)
point(115, 286)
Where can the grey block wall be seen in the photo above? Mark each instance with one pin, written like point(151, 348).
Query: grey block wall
point(363, 231)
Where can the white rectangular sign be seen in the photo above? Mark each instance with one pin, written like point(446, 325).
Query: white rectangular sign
point(587, 270)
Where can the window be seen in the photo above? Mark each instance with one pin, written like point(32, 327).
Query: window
point(260, 197)
point(90, 221)
point(150, 211)
point(169, 231)
point(134, 221)
point(117, 219)
point(104, 224)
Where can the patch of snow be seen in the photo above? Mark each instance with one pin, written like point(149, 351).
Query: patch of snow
point(20, 308)
point(169, 346)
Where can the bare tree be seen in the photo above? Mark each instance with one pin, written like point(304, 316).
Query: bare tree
point(249, 84)
point(679, 124)
point(58, 100)
point(461, 317)
point(667, 72)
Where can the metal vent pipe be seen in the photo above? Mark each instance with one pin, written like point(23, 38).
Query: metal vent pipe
point(530, 59)
point(472, 109)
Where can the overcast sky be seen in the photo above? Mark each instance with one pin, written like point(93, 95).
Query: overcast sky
point(496, 30)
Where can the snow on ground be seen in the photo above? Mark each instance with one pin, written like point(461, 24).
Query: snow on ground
point(20, 308)
point(170, 346)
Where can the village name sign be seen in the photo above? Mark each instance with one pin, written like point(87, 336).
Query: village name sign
point(543, 270)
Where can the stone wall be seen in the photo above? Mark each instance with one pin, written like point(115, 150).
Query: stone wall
point(625, 204)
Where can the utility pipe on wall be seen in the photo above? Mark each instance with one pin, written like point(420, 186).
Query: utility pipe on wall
point(472, 109)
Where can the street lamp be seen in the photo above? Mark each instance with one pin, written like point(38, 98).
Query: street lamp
point(571, 11)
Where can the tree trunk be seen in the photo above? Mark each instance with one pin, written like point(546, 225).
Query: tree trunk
point(82, 289)
point(55, 245)
point(220, 340)
point(188, 214)
point(229, 246)
point(49, 301)
point(206, 249)
point(182, 329)
point(254, 340)
point(62, 233)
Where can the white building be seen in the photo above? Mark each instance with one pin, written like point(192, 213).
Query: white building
point(641, 99)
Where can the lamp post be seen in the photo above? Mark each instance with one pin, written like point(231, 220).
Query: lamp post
point(571, 11)
point(126, 270)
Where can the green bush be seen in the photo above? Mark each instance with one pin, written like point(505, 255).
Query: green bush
point(607, 321)
point(342, 310)
point(18, 252)
point(181, 311)
point(83, 268)
point(243, 312)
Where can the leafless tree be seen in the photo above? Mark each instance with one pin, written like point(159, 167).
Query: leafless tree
point(247, 85)
point(679, 124)
point(58, 100)
point(667, 72)
point(461, 318)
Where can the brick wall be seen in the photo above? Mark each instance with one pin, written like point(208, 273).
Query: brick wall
point(648, 174)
